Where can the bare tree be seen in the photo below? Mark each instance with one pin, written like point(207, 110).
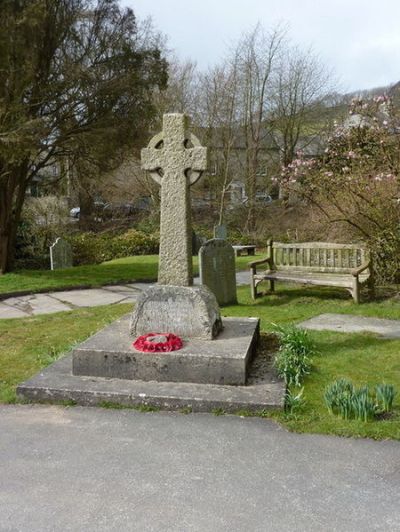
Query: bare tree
point(298, 101)
point(180, 95)
point(219, 90)
point(258, 56)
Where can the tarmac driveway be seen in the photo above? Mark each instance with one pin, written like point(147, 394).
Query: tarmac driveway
point(89, 469)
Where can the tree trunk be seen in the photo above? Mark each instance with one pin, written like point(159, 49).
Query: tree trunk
point(86, 205)
point(251, 191)
point(12, 197)
point(6, 231)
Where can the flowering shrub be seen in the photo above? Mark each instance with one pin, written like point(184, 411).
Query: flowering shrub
point(356, 180)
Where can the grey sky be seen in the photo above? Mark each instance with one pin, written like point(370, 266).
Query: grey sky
point(360, 40)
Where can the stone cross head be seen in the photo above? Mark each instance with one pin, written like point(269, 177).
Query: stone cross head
point(174, 150)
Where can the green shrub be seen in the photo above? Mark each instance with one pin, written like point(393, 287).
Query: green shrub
point(342, 398)
point(293, 360)
point(42, 221)
point(363, 406)
point(338, 395)
point(91, 248)
point(385, 394)
point(293, 402)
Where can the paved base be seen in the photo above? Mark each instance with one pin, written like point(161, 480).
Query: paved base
point(57, 383)
point(353, 324)
point(98, 470)
point(109, 353)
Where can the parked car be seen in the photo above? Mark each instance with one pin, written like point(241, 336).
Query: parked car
point(75, 212)
point(262, 197)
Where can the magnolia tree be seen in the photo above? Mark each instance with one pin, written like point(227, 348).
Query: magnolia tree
point(356, 181)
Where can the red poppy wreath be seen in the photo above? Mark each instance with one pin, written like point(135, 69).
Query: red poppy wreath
point(157, 343)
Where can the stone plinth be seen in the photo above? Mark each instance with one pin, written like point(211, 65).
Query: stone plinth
point(110, 353)
point(190, 312)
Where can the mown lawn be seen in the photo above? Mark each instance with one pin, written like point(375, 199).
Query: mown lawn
point(29, 344)
point(364, 358)
point(129, 269)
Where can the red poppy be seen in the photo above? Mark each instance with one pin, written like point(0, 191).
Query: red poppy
point(148, 343)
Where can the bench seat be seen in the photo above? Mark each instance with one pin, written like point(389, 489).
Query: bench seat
point(300, 276)
point(317, 263)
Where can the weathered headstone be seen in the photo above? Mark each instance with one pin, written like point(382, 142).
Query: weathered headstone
point(217, 270)
point(60, 254)
point(187, 312)
point(175, 161)
point(220, 231)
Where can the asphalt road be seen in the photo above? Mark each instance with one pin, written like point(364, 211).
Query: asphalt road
point(89, 469)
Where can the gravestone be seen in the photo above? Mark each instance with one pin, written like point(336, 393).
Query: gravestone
point(60, 254)
point(218, 270)
point(176, 161)
point(220, 231)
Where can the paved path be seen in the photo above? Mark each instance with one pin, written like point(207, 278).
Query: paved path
point(32, 305)
point(353, 324)
point(75, 469)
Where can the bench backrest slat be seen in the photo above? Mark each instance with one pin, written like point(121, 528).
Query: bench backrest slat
point(318, 256)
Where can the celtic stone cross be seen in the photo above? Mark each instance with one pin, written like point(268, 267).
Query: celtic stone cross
point(176, 161)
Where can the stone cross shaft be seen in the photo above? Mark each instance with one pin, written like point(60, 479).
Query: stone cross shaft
point(175, 160)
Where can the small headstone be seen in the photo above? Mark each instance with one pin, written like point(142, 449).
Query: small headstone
point(217, 270)
point(60, 254)
point(220, 231)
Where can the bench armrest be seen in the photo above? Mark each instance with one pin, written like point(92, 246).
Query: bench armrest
point(356, 271)
point(253, 265)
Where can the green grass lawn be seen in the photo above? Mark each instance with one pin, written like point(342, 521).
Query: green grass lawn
point(364, 358)
point(29, 344)
point(138, 268)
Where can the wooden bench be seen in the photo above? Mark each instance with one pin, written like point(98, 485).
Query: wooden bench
point(319, 263)
point(249, 249)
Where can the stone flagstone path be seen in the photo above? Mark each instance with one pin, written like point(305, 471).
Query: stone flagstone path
point(353, 324)
point(36, 304)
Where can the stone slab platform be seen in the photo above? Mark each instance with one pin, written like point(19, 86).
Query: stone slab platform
point(56, 384)
point(109, 353)
point(353, 324)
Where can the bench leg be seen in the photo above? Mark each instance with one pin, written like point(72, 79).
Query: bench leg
point(253, 289)
point(356, 290)
point(272, 286)
point(253, 286)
